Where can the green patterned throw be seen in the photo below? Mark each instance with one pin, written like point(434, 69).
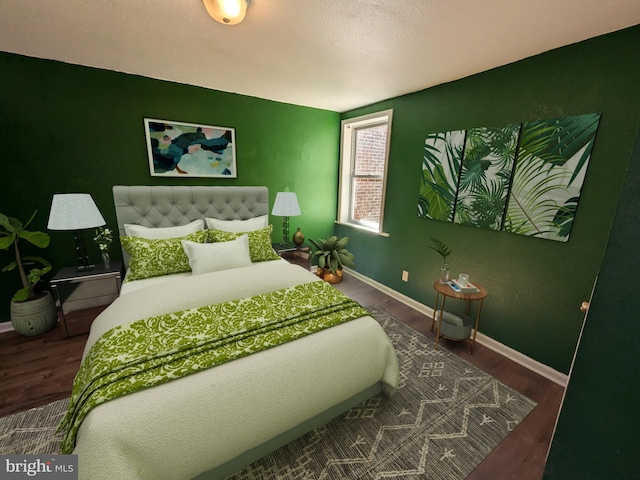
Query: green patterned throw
point(158, 349)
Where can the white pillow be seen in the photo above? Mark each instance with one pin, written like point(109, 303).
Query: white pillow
point(238, 226)
point(213, 257)
point(163, 233)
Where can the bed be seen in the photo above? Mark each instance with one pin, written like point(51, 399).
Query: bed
point(212, 423)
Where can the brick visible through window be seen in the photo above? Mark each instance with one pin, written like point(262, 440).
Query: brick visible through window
point(369, 160)
point(363, 169)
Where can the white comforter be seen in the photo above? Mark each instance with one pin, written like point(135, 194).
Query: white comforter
point(188, 426)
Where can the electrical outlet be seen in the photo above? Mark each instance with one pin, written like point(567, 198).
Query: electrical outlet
point(405, 276)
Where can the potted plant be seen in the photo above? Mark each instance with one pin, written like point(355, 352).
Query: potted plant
point(31, 313)
point(332, 257)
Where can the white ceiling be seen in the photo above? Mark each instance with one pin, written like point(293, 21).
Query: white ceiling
point(330, 54)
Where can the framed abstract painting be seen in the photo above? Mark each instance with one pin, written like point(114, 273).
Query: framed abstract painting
point(178, 149)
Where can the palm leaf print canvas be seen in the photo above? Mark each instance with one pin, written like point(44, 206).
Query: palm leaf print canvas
point(489, 154)
point(440, 170)
point(553, 157)
point(524, 179)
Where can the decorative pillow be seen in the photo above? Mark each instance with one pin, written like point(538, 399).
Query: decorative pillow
point(213, 257)
point(155, 257)
point(163, 232)
point(238, 226)
point(260, 247)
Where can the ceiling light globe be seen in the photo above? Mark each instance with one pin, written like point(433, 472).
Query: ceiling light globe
point(227, 12)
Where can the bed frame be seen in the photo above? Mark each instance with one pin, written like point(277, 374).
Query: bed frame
point(166, 206)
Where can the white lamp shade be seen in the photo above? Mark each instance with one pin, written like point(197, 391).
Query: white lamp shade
point(74, 211)
point(286, 205)
point(227, 12)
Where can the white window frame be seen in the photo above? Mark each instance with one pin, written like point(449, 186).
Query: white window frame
point(347, 163)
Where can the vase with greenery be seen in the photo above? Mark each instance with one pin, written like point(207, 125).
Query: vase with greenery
point(31, 313)
point(444, 252)
point(104, 238)
point(332, 256)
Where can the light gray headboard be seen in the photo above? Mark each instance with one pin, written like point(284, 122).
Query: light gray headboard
point(164, 206)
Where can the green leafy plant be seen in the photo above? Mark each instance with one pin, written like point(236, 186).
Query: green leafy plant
point(332, 253)
point(11, 231)
point(441, 248)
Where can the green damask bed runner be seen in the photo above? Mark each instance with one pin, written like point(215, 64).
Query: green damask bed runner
point(158, 349)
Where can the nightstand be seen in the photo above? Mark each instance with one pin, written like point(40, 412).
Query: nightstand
point(298, 254)
point(446, 291)
point(81, 296)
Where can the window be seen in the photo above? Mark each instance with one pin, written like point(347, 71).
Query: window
point(364, 157)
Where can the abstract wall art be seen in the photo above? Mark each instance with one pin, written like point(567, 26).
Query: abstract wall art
point(177, 149)
point(520, 178)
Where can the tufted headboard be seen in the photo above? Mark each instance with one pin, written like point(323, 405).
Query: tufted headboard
point(165, 206)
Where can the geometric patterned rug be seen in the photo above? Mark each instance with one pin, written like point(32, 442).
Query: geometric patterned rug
point(445, 418)
point(32, 432)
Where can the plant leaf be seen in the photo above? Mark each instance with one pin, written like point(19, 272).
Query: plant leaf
point(6, 242)
point(441, 248)
point(39, 239)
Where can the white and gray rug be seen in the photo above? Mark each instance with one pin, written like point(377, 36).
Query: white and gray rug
point(445, 418)
point(32, 432)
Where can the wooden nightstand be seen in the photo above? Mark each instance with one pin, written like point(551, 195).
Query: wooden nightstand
point(298, 254)
point(81, 296)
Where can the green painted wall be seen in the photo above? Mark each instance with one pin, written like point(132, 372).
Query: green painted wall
point(65, 128)
point(595, 437)
point(535, 286)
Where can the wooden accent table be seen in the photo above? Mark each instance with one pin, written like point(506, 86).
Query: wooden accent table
point(446, 291)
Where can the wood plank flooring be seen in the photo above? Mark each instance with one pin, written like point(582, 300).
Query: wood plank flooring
point(38, 370)
point(520, 456)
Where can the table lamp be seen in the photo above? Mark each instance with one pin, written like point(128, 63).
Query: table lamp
point(75, 211)
point(285, 206)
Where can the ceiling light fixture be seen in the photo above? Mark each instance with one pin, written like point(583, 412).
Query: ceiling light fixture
point(227, 12)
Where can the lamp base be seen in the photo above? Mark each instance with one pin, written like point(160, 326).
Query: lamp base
point(83, 258)
point(285, 230)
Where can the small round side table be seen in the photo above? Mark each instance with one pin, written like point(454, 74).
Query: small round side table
point(445, 291)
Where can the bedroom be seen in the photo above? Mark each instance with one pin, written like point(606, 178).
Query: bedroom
point(67, 127)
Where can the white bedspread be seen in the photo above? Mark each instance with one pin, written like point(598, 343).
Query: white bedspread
point(188, 426)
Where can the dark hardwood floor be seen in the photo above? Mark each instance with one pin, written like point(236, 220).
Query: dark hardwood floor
point(522, 455)
point(38, 370)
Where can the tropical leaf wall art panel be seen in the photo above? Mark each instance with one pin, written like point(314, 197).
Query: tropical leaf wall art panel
point(553, 157)
point(440, 171)
point(487, 165)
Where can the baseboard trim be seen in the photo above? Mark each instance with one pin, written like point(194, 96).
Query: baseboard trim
point(520, 358)
point(6, 327)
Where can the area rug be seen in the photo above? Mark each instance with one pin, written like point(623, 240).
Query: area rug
point(445, 418)
point(33, 432)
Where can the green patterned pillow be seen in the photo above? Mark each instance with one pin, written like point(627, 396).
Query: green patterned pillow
point(260, 248)
point(152, 258)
